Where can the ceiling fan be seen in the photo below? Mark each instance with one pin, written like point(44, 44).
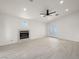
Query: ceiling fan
point(48, 13)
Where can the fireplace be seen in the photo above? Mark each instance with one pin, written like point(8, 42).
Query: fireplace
point(24, 34)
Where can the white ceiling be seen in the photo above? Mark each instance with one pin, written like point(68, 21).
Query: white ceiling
point(16, 8)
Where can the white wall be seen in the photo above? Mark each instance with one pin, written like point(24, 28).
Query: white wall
point(11, 25)
point(2, 30)
point(65, 28)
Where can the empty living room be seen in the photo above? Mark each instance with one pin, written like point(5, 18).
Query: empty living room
point(39, 29)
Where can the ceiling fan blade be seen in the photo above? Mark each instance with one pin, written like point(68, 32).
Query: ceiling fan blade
point(52, 12)
point(44, 15)
point(57, 15)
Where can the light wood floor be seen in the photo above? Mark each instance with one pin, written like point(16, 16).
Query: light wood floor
point(45, 48)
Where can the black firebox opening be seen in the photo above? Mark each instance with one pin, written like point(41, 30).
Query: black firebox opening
point(24, 34)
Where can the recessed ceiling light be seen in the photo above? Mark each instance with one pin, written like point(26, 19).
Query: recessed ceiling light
point(66, 10)
point(61, 2)
point(25, 9)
